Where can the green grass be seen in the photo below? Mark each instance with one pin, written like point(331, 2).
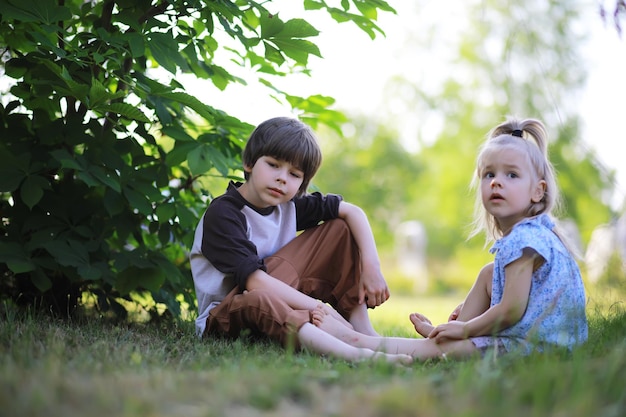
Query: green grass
point(94, 368)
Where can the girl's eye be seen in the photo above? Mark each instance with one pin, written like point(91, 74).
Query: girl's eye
point(512, 175)
point(488, 175)
point(296, 175)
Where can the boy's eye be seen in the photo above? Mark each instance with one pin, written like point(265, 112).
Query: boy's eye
point(296, 174)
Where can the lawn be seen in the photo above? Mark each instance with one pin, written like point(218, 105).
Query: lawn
point(96, 368)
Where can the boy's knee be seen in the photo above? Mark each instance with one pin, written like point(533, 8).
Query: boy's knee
point(338, 226)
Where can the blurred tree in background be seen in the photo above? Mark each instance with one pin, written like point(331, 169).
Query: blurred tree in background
point(506, 58)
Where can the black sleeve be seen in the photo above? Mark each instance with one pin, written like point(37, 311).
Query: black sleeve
point(314, 208)
point(225, 242)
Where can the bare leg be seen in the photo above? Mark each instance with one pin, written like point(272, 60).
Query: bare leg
point(360, 320)
point(324, 343)
point(417, 348)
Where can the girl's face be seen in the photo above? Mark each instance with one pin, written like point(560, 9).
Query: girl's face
point(508, 186)
point(271, 182)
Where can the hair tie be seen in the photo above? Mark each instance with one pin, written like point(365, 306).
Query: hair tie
point(517, 132)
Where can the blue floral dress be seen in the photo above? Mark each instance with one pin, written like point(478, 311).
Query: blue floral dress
point(555, 314)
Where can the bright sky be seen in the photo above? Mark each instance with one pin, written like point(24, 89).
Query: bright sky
point(355, 70)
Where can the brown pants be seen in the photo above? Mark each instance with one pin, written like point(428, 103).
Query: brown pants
point(322, 262)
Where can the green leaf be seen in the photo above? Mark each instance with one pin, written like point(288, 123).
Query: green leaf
point(68, 252)
point(165, 234)
point(313, 5)
point(66, 159)
point(16, 68)
point(113, 202)
point(10, 179)
point(16, 258)
point(200, 159)
point(297, 49)
point(179, 153)
point(39, 278)
point(273, 54)
point(207, 112)
point(138, 201)
point(105, 178)
point(125, 110)
point(134, 278)
point(270, 25)
point(136, 44)
point(186, 218)
point(177, 133)
point(89, 272)
point(87, 178)
point(47, 12)
point(297, 28)
point(164, 49)
point(99, 95)
point(165, 212)
point(32, 190)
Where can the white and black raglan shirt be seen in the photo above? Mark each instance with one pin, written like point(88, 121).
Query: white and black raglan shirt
point(233, 237)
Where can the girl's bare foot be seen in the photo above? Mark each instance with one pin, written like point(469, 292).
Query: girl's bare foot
point(422, 325)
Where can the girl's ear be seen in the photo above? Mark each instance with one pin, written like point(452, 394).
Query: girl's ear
point(247, 168)
point(539, 192)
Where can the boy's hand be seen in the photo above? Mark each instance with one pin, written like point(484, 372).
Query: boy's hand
point(373, 288)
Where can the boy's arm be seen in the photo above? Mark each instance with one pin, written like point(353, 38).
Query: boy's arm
point(373, 287)
point(297, 300)
point(502, 315)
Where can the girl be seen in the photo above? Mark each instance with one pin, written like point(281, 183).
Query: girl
point(532, 295)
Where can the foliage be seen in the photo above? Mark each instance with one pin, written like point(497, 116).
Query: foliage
point(100, 159)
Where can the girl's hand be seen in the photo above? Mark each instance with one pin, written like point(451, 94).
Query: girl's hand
point(452, 330)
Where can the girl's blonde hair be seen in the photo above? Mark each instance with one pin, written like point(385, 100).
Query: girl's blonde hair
point(529, 136)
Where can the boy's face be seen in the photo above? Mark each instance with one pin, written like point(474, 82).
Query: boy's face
point(271, 182)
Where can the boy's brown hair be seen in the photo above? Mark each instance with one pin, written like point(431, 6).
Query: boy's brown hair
point(288, 140)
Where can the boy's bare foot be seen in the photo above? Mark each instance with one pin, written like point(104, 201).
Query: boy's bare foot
point(331, 325)
point(338, 329)
point(422, 325)
point(326, 309)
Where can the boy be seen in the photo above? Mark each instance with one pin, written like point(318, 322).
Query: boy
point(252, 272)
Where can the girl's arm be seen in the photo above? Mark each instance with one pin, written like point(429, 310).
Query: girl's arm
point(373, 287)
point(518, 275)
